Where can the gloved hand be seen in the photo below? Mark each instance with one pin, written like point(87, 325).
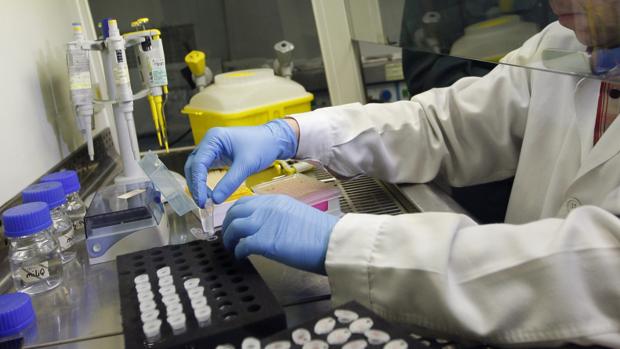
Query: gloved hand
point(280, 228)
point(246, 150)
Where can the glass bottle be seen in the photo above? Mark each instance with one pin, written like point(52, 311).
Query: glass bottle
point(34, 251)
point(52, 193)
point(76, 209)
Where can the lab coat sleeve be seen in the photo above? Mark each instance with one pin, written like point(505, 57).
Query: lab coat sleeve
point(550, 281)
point(469, 133)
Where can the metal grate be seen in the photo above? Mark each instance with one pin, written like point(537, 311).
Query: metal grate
point(363, 195)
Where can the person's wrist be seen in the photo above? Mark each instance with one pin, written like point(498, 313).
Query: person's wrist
point(286, 137)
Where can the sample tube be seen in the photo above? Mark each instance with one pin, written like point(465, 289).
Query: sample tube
point(206, 218)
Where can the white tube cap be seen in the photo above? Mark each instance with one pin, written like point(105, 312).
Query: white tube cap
point(149, 316)
point(141, 279)
point(147, 306)
point(165, 281)
point(152, 329)
point(199, 302)
point(167, 290)
point(177, 322)
point(191, 283)
point(203, 315)
point(174, 308)
point(143, 287)
point(163, 271)
point(171, 299)
point(196, 292)
point(146, 296)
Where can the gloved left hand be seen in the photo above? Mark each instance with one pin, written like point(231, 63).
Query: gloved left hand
point(280, 228)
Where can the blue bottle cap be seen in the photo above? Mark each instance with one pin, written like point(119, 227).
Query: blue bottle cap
point(51, 193)
point(26, 219)
point(16, 313)
point(69, 179)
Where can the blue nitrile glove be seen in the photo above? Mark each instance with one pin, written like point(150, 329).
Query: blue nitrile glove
point(246, 150)
point(280, 228)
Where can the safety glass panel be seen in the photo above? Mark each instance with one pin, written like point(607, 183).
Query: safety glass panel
point(577, 37)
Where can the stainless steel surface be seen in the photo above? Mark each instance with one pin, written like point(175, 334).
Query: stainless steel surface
point(430, 198)
point(85, 306)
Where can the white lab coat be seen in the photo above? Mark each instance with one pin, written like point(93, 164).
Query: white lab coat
point(551, 274)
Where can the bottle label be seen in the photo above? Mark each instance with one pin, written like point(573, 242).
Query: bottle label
point(78, 225)
point(31, 274)
point(66, 240)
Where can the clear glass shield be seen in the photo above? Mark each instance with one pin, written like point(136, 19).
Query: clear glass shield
point(578, 37)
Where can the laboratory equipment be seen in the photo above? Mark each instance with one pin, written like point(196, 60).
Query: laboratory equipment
point(76, 209)
point(152, 67)
point(372, 331)
point(34, 252)
point(201, 73)
point(151, 62)
point(124, 218)
point(78, 64)
point(175, 194)
point(53, 195)
point(322, 196)
point(17, 316)
point(283, 64)
point(245, 98)
point(232, 302)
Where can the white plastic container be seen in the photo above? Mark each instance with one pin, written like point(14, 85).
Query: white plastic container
point(493, 39)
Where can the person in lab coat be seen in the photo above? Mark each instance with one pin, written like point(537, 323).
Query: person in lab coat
point(549, 274)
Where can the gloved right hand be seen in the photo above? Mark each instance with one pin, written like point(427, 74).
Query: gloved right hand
point(246, 150)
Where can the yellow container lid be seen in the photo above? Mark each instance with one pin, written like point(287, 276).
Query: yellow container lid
point(239, 91)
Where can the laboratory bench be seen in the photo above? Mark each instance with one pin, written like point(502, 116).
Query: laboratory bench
point(84, 311)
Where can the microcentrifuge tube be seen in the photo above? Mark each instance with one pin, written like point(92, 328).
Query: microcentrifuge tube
point(191, 283)
point(163, 271)
point(141, 279)
point(144, 287)
point(171, 299)
point(146, 296)
point(198, 302)
point(165, 281)
point(203, 315)
point(152, 330)
point(147, 306)
point(196, 292)
point(177, 322)
point(149, 316)
point(166, 290)
point(206, 219)
point(174, 308)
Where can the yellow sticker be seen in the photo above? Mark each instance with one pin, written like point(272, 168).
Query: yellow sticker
point(394, 72)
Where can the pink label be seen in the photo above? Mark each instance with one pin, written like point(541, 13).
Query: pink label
point(323, 206)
